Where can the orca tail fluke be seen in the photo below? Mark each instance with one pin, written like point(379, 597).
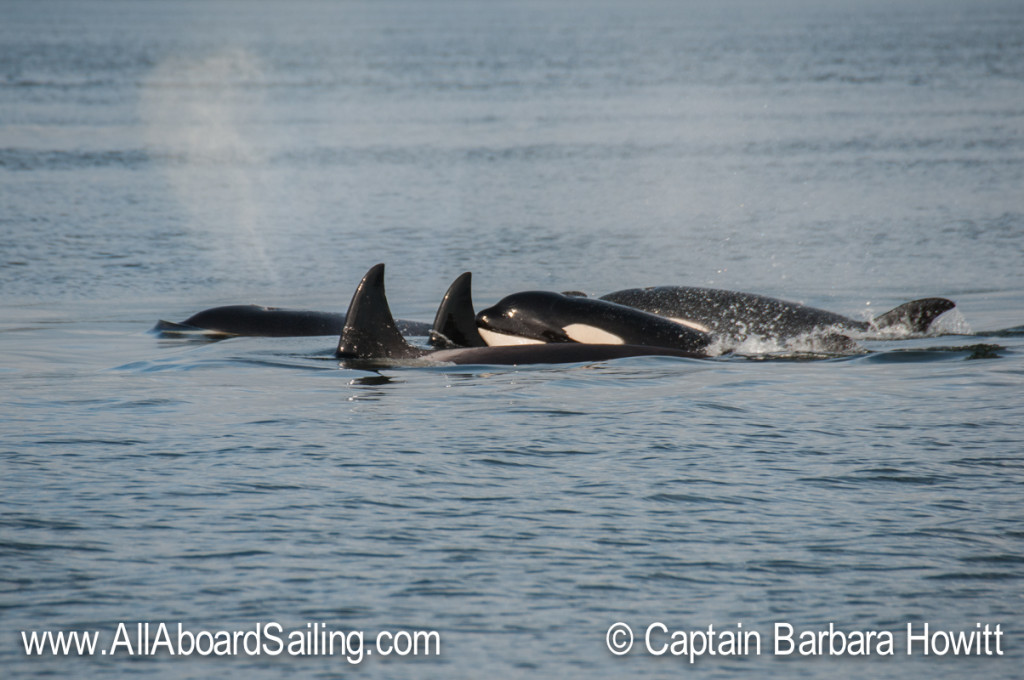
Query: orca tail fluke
point(916, 316)
point(370, 330)
point(455, 322)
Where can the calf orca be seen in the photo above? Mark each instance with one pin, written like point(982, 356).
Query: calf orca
point(371, 338)
point(534, 317)
point(254, 320)
point(741, 315)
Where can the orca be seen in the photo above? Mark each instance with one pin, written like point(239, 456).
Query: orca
point(455, 322)
point(371, 339)
point(738, 316)
point(255, 320)
point(454, 325)
point(534, 317)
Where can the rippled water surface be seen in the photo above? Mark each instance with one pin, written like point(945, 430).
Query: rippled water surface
point(163, 157)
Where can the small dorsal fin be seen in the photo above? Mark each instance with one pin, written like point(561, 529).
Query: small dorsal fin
point(916, 315)
point(455, 322)
point(370, 331)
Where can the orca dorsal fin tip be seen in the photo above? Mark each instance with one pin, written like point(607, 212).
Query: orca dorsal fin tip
point(374, 277)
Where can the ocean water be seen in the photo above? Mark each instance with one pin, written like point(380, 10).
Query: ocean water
point(158, 158)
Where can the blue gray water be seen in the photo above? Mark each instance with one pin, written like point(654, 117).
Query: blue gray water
point(158, 158)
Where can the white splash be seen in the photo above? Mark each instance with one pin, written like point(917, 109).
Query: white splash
point(951, 323)
point(821, 342)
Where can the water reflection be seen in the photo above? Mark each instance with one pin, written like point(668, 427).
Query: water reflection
point(375, 380)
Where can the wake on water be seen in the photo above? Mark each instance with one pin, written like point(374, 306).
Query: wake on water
point(830, 341)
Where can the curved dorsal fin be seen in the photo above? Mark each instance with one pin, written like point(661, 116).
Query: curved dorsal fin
point(916, 315)
point(370, 331)
point(455, 322)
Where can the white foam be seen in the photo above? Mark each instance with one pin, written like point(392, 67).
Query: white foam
point(820, 342)
point(951, 323)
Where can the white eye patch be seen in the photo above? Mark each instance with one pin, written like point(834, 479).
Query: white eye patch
point(690, 324)
point(589, 335)
point(496, 339)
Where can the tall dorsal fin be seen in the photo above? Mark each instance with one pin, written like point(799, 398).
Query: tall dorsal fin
point(370, 331)
point(455, 321)
point(916, 315)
